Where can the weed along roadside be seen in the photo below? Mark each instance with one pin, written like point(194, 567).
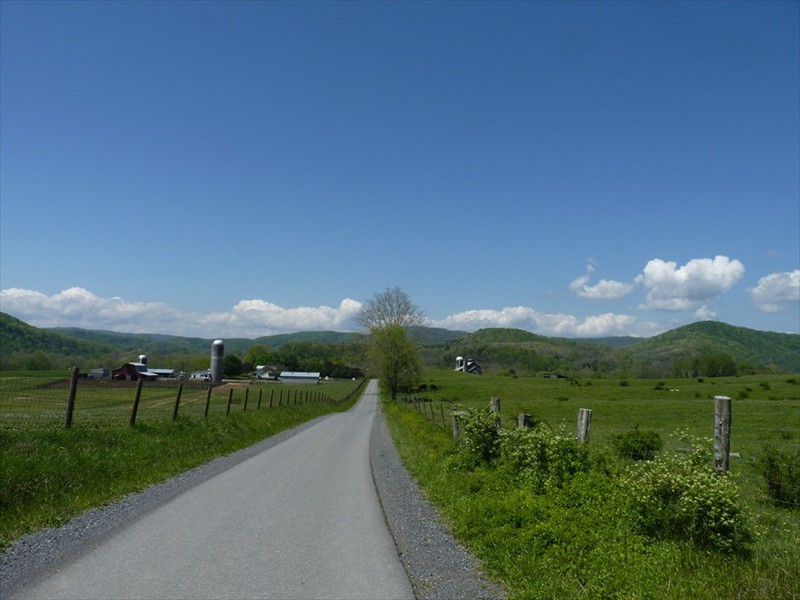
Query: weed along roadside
point(123, 438)
point(630, 500)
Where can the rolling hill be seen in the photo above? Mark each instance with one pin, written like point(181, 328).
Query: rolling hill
point(18, 336)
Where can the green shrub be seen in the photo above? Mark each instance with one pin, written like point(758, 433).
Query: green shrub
point(680, 496)
point(541, 459)
point(781, 471)
point(479, 440)
point(637, 444)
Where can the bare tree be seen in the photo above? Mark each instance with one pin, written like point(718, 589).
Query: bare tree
point(388, 308)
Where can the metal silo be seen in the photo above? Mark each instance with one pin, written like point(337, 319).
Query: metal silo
point(217, 351)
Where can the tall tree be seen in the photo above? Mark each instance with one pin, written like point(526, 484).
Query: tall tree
point(390, 307)
point(393, 355)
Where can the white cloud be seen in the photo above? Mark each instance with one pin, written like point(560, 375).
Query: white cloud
point(688, 287)
point(704, 313)
point(776, 290)
point(77, 307)
point(560, 325)
point(605, 289)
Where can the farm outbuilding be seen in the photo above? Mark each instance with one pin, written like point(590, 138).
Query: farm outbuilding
point(133, 371)
point(311, 377)
point(468, 366)
point(204, 375)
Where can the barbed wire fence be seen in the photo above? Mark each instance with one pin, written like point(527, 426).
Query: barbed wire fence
point(31, 398)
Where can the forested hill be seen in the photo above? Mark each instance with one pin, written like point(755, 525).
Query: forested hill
point(171, 344)
point(716, 341)
point(18, 337)
point(706, 348)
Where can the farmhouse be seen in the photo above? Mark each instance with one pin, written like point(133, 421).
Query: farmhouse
point(468, 366)
point(300, 377)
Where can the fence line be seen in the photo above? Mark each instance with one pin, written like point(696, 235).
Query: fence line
point(722, 427)
point(27, 398)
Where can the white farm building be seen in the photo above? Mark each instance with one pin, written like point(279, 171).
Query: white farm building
point(300, 377)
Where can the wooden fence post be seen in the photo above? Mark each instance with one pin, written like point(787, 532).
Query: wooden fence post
point(177, 402)
point(208, 400)
point(722, 434)
point(524, 421)
point(136, 397)
point(73, 390)
point(271, 392)
point(494, 403)
point(260, 390)
point(230, 399)
point(584, 423)
point(246, 394)
point(441, 410)
point(456, 427)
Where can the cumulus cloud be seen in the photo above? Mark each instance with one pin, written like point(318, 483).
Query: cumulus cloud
point(776, 291)
point(704, 313)
point(550, 324)
point(605, 289)
point(77, 307)
point(690, 286)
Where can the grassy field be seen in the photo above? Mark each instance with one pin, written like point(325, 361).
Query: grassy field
point(581, 542)
point(49, 474)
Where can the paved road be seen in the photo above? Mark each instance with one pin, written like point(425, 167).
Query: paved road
point(299, 520)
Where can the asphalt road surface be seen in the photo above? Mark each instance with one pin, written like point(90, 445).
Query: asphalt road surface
point(299, 520)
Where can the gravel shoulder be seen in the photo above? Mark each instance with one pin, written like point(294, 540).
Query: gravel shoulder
point(437, 566)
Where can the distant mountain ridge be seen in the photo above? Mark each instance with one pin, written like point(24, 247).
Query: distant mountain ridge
point(498, 348)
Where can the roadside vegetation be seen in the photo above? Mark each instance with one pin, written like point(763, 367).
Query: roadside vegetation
point(638, 511)
point(49, 474)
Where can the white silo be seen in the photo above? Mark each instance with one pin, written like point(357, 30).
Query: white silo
point(217, 351)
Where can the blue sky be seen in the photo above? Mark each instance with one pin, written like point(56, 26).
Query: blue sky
point(248, 168)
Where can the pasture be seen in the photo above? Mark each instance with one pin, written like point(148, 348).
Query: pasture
point(765, 409)
point(582, 541)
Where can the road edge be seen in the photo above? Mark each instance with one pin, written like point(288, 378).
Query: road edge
point(438, 567)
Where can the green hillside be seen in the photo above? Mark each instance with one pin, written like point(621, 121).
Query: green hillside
point(137, 342)
point(747, 347)
point(21, 340)
point(707, 348)
point(312, 337)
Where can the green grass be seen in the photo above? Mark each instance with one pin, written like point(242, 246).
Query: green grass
point(582, 542)
point(49, 474)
